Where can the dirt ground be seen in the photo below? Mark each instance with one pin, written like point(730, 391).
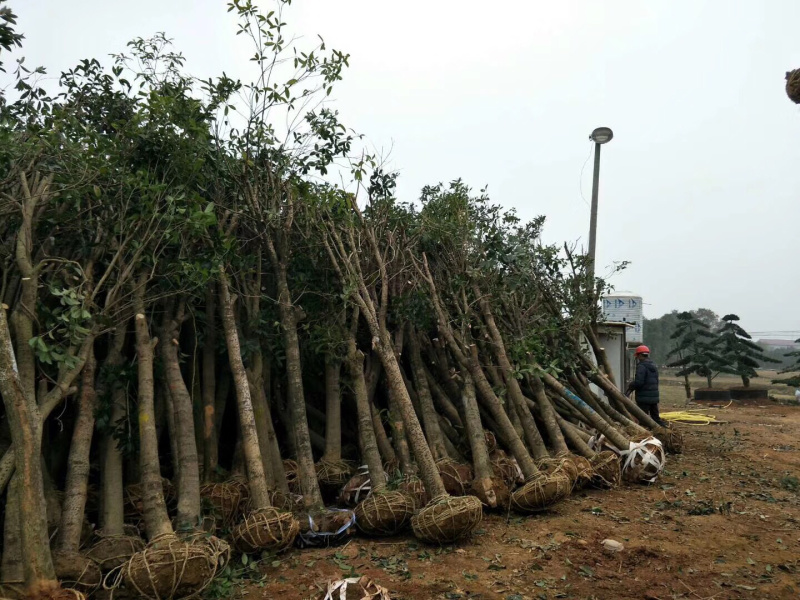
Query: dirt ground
point(722, 522)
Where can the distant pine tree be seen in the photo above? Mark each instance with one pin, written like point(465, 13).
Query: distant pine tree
point(793, 381)
point(740, 355)
point(694, 350)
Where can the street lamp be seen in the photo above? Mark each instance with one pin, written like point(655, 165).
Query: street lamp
point(599, 136)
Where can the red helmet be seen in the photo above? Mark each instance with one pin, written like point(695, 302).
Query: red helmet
point(642, 350)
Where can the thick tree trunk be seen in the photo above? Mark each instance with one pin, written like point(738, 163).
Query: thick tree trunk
point(578, 444)
point(687, 386)
point(210, 442)
point(77, 483)
point(26, 425)
point(430, 418)
point(272, 439)
point(333, 410)
point(477, 439)
point(249, 436)
point(442, 401)
point(156, 518)
point(611, 390)
point(312, 497)
point(255, 377)
point(183, 433)
point(112, 514)
point(12, 569)
point(399, 439)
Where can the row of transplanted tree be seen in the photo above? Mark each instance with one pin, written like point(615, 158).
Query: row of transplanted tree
point(700, 348)
point(200, 337)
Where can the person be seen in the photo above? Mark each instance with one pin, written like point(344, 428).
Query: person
point(645, 384)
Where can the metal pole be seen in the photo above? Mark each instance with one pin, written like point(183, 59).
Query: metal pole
point(593, 221)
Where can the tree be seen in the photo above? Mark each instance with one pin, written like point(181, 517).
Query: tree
point(694, 350)
point(740, 356)
point(794, 367)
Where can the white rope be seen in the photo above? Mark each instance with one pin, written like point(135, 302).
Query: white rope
point(369, 588)
point(648, 457)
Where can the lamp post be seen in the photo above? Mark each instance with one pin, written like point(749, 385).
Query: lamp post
point(599, 136)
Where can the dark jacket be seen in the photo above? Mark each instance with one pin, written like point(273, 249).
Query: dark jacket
point(646, 382)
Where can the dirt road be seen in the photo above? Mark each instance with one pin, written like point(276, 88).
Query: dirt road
point(723, 522)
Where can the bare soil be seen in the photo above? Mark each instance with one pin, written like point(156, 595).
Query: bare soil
point(722, 522)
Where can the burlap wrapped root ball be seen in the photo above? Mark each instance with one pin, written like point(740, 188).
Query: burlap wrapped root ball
point(491, 441)
point(384, 513)
point(170, 568)
point(77, 572)
point(447, 519)
point(456, 477)
point(225, 501)
point(507, 469)
point(265, 529)
point(793, 85)
point(607, 472)
point(415, 488)
point(541, 492)
point(291, 470)
point(672, 439)
point(112, 551)
point(292, 503)
point(559, 464)
point(584, 470)
point(333, 474)
point(43, 590)
point(493, 492)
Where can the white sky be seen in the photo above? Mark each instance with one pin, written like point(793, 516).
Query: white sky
point(700, 187)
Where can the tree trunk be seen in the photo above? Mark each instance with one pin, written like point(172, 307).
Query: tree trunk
point(312, 498)
point(184, 435)
point(255, 377)
point(399, 438)
point(12, 569)
point(548, 416)
point(156, 518)
point(366, 431)
point(112, 514)
point(687, 386)
point(77, 483)
point(333, 410)
point(272, 439)
point(25, 423)
point(221, 400)
point(477, 439)
point(599, 352)
point(249, 436)
point(210, 445)
point(430, 418)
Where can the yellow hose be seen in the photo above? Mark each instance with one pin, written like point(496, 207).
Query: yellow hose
point(689, 417)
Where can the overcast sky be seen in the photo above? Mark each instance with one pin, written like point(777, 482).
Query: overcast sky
point(700, 187)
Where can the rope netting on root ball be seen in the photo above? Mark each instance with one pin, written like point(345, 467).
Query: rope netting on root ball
point(225, 501)
point(384, 513)
point(111, 551)
point(607, 472)
point(672, 439)
point(291, 469)
point(333, 474)
point(560, 464)
point(456, 477)
point(541, 492)
point(493, 492)
point(583, 468)
point(326, 528)
point(77, 572)
point(447, 519)
point(292, 503)
point(415, 488)
point(507, 469)
point(491, 441)
point(45, 591)
point(170, 568)
point(793, 85)
point(265, 529)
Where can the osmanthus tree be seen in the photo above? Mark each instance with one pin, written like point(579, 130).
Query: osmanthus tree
point(794, 367)
point(740, 355)
point(695, 350)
